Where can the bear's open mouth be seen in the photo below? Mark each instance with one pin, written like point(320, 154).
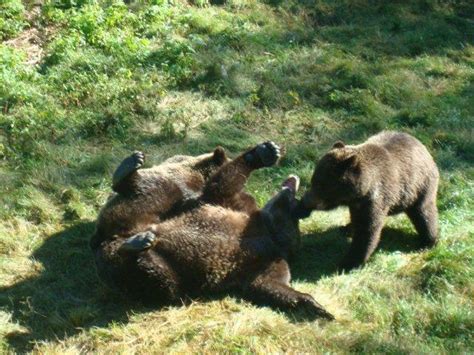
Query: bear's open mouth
point(292, 183)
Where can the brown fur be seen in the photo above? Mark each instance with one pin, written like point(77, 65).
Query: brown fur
point(224, 242)
point(143, 198)
point(390, 173)
point(147, 195)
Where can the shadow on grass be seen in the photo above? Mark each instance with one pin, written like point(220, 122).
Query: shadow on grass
point(321, 252)
point(396, 29)
point(65, 297)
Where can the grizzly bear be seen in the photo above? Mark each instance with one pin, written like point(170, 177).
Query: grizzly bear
point(144, 196)
point(216, 241)
point(390, 173)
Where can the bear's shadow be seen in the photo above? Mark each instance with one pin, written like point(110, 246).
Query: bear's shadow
point(321, 252)
point(66, 295)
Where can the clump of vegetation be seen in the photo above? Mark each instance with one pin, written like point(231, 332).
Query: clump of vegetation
point(182, 77)
point(12, 18)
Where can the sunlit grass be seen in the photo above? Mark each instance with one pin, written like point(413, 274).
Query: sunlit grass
point(182, 78)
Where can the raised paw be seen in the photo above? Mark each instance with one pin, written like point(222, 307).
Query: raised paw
point(139, 158)
point(128, 166)
point(138, 242)
point(308, 304)
point(264, 154)
point(268, 153)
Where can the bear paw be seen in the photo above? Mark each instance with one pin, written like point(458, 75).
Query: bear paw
point(128, 166)
point(264, 154)
point(138, 242)
point(308, 304)
point(348, 264)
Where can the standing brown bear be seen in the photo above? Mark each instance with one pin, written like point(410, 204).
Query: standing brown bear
point(390, 173)
point(218, 240)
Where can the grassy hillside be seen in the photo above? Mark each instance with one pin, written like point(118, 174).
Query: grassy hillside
point(83, 83)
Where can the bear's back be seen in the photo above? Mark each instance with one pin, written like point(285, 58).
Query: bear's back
point(408, 170)
point(409, 155)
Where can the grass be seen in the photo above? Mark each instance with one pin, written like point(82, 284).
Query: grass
point(178, 77)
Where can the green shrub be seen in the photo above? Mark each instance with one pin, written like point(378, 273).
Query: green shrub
point(12, 18)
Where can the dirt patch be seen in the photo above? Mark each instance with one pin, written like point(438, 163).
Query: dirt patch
point(32, 40)
point(28, 41)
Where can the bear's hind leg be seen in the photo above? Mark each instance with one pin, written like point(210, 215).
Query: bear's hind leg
point(272, 288)
point(122, 178)
point(264, 154)
point(161, 282)
point(424, 216)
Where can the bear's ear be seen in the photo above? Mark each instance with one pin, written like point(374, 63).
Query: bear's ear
point(350, 162)
point(219, 156)
point(338, 144)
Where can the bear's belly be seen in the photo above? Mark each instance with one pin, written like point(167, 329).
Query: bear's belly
point(406, 200)
point(396, 210)
point(208, 259)
point(204, 245)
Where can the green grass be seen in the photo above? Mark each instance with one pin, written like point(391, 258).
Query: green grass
point(177, 77)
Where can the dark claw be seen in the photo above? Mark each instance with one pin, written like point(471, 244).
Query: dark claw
point(325, 314)
point(139, 159)
point(347, 265)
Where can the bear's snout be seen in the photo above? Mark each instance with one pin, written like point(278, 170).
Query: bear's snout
point(311, 201)
point(308, 200)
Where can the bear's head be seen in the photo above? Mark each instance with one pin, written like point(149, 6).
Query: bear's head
point(209, 163)
point(336, 179)
point(279, 217)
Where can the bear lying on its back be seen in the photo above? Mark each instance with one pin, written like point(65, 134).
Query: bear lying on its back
point(390, 173)
point(145, 196)
point(222, 241)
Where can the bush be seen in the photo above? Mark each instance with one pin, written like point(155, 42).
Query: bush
point(12, 18)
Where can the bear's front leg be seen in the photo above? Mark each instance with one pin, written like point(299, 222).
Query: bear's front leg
point(230, 179)
point(264, 154)
point(367, 223)
point(122, 180)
